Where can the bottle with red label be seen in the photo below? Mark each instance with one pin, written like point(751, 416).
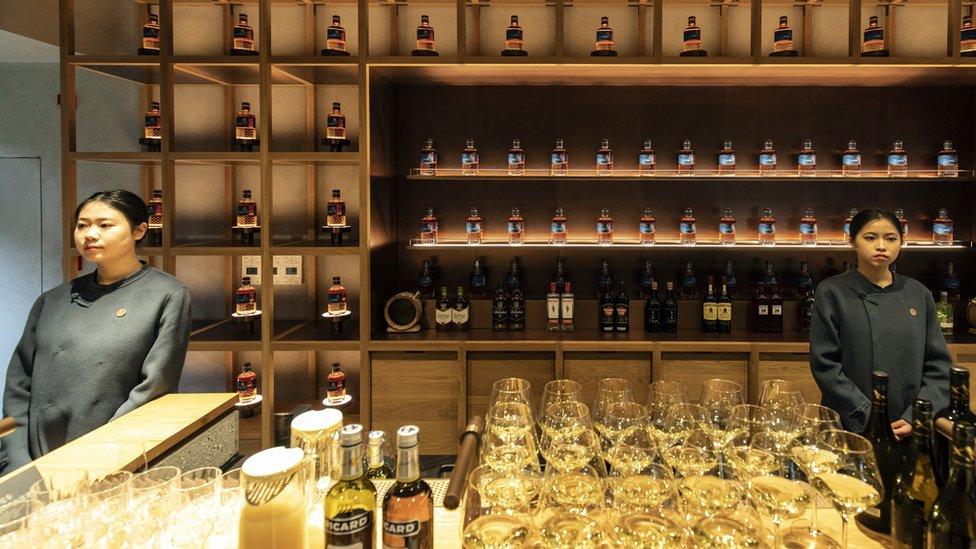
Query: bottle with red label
point(335, 123)
point(247, 384)
point(245, 298)
point(337, 297)
point(337, 384)
point(335, 210)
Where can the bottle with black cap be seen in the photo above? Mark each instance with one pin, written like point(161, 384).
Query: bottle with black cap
point(952, 522)
point(915, 488)
point(408, 506)
point(886, 452)
point(958, 410)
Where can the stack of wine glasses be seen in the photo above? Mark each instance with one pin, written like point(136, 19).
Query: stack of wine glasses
point(613, 470)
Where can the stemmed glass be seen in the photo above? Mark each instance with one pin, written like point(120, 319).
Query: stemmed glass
point(773, 491)
point(512, 389)
point(778, 393)
point(571, 498)
point(621, 419)
point(681, 421)
point(609, 391)
point(855, 485)
point(660, 398)
point(568, 437)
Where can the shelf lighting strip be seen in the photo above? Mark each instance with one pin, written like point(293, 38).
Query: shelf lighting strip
point(452, 173)
point(920, 245)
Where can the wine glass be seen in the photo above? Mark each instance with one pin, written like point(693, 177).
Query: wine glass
point(621, 419)
point(569, 530)
point(564, 418)
point(735, 528)
point(855, 485)
point(497, 532)
point(780, 496)
point(709, 490)
point(681, 420)
point(492, 491)
point(642, 487)
point(608, 391)
point(576, 490)
point(721, 392)
point(662, 395)
point(647, 529)
point(511, 389)
point(778, 393)
point(747, 420)
point(15, 524)
point(560, 390)
point(577, 448)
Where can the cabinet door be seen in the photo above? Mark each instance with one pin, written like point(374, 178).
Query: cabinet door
point(590, 367)
point(484, 368)
point(693, 368)
point(422, 389)
point(793, 367)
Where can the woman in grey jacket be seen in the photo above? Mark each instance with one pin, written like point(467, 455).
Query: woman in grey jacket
point(101, 345)
point(872, 319)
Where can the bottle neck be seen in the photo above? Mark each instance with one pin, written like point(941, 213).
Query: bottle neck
point(959, 396)
point(375, 456)
point(352, 462)
point(408, 464)
point(878, 424)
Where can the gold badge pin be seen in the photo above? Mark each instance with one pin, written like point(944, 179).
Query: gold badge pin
point(912, 311)
point(121, 312)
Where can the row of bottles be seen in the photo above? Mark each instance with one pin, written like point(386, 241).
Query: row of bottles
point(247, 384)
point(768, 161)
point(807, 234)
point(245, 298)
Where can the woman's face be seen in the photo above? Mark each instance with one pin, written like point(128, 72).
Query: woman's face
point(102, 233)
point(878, 243)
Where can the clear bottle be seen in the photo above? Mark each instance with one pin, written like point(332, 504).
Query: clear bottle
point(900, 214)
point(247, 210)
point(156, 210)
point(948, 159)
point(408, 506)
point(245, 124)
point(425, 34)
point(647, 230)
point(874, 38)
point(557, 228)
point(604, 35)
point(686, 159)
point(516, 228)
point(646, 159)
point(153, 122)
point(245, 298)
point(806, 161)
point(687, 234)
point(473, 227)
point(967, 37)
point(150, 33)
point(516, 159)
point(336, 382)
point(942, 228)
point(726, 228)
point(559, 160)
point(808, 228)
point(847, 224)
point(513, 35)
point(897, 160)
point(851, 160)
point(428, 158)
point(767, 228)
point(783, 35)
point(767, 159)
point(376, 467)
point(726, 159)
point(335, 123)
point(243, 34)
point(428, 228)
point(470, 160)
point(335, 210)
point(691, 37)
point(338, 297)
point(335, 35)
point(604, 228)
point(247, 384)
point(944, 312)
point(350, 505)
point(604, 158)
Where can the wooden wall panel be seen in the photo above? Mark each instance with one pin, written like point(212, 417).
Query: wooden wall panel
point(793, 367)
point(485, 368)
point(590, 367)
point(694, 368)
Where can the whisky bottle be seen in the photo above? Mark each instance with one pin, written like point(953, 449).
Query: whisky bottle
point(767, 159)
point(805, 312)
point(804, 280)
point(886, 452)
point(967, 37)
point(709, 316)
point(245, 298)
point(952, 522)
point(957, 412)
point(473, 227)
point(552, 308)
point(350, 505)
point(689, 284)
point(243, 35)
point(942, 227)
point(621, 317)
point(950, 282)
point(847, 224)
point(646, 159)
point(247, 210)
point(516, 310)
point(897, 160)
point(724, 310)
point(808, 228)
point(150, 36)
point(153, 123)
point(335, 123)
point(566, 308)
point(428, 158)
point(156, 209)
point(557, 228)
point(559, 159)
point(338, 298)
point(915, 488)
point(425, 281)
point(948, 158)
point(499, 310)
point(646, 228)
point(726, 228)
point(669, 311)
point(335, 210)
point(900, 214)
point(848, 267)
point(646, 279)
point(516, 159)
point(775, 310)
point(686, 159)
point(444, 312)
point(768, 277)
point(686, 228)
point(376, 467)
point(767, 228)
point(761, 322)
point(245, 124)
point(604, 158)
point(652, 310)
point(851, 160)
point(470, 160)
point(691, 36)
point(513, 277)
point(806, 161)
point(726, 159)
point(944, 312)
point(478, 280)
point(408, 506)
point(604, 35)
point(428, 228)
point(425, 34)
point(874, 39)
point(513, 35)
point(783, 36)
point(604, 228)
point(607, 310)
point(604, 279)
point(730, 278)
point(247, 384)
point(516, 228)
point(335, 35)
point(559, 276)
point(461, 313)
point(336, 381)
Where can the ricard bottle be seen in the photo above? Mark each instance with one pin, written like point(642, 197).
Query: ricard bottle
point(408, 506)
point(350, 505)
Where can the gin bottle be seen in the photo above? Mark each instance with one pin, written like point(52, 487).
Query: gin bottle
point(559, 161)
point(943, 310)
point(604, 35)
point(900, 214)
point(557, 229)
point(967, 37)
point(726, 228)
point(153, 123)
point(513, 35)
point(874, 39)
point(604, 158)
point(425, 280)
point(245, 124)
point(428, 228)
point(425, 34)
point(646, 228)
point(516, 228)
point(604, 228)
point(473, 227)
point(806, 161)
point(686, 159)
point(335, 35)
point(783, 36)
point(687, 234)
point(726, 159)
point(948, 160)
point(851, 160)
point(335, 123)
point(646, 159)
point(808, 228)
point(243, 34)
point(247, 210)
point(847, 224)
point(691, 35)
point(428, 158)
point(470, 159)
point(150, 34)
point(897, 160)
point(942, 227)
point(516, 159)
point(767, 159)
point(767, 228)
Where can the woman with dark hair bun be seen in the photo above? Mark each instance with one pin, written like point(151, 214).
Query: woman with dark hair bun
point(101, 345)
point(873, 319)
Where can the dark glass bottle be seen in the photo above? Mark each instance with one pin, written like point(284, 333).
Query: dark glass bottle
point(709, 318)
point(952, 522)
point(621, 320)
point(646, 278)
point(958, 410)
point(603, 279)
point(805, 312)
point(775, 310)
point(915, 487)
point(425, 281)
point(652, 310)
point(514, 276)
point(886, 452)
point(559, 276)
point(499, 310)
point(724, 312)
point(768, 277)
point(444, 313)
point(607, 310)
point(461, 315)
point(804, 280)
point(478, 281)
point(950, 282)
point(761, 309)
point(516, 310)
point(669, 312)
point(689, 284)
point(730, 278)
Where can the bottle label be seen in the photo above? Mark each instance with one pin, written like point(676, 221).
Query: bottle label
point(558, 227)
point(478, 281)
point(335, 208)
point(851, 160)
point(604, 159)
point(336, 298)
point(401, 529)
point(944, 160)
point(425, 33)
point(898, 160)
point(152, 121)
point(646, 160)
point(344, 526)
point(459, 316)
point(426, 281)
point(670, 315)
point(337, 386)
point(783, 35)
point(604, 35)
point(428, 158)
point(874, 35)
point(807, 228)
point(516, 159)
point(335, 121)
point(608, 310)
point(243, 298)
point(552, 308)
point(426, 227)
point(686, 159)
point(472, 227)
point(945, 324)
point(806, 160)
point(847, 228)
point(767, 228)
point(725, 312)
point(566, 307)
point(692, 35)
point(604, 227)
point(767, 159)
point(244, 121)
point(710, 311)
point(513, 33)
point(469, 158)
point(150, 32)
point(335, 33)
point(726, 160)
point(777, 310)
point(443, 316)
point(646, 227)
point(968, 34)
point(515, 227)
point(688, 282)
point(242, 32)
point(621, 310)
point(686, 228)
point(950, 283)
point(726, 228)
point(559, 159)
point(942, 228)
point(763, 310)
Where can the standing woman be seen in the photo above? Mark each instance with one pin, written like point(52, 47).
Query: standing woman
point(872, 319)
point(101, 345)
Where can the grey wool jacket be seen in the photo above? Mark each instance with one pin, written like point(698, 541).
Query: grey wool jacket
point(859, 327)
point(91, 353)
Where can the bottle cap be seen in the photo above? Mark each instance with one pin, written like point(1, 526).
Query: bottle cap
point(376, 438)
point(272, 461)
point(351, 434)
point(407, 436)
point(317, 420)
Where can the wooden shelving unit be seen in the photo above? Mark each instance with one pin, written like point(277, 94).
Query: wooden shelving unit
point(432, 378)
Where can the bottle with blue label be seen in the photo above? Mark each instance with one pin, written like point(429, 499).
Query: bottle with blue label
point(808, 228)
point(851, 160)
point(470, 160)
point(726, 159)
point(806, 161)
point(950, 282)
point(967, 37)
point(874, 39)
point(604, 35)
point(559, 160)
point(604, 158)
point(604, 228)
point(942, 228)
point(900, 214)
point(335, 123)
point(428, 228)
point(425, 34)
point(691, 37)
point(767, 159)
point(646, 159)
point(335, 35)
point(516, 228)
point(516, 159)
point(847, 224)
point(686, 159)
point(688, 283)
point(425, 281)
point(783, 36)
point(478, 280)
point(557, 228)
point(726, 228)
point(513, 35)
point(150, 36)
point(473, 228)
point(647, 231)
point(428, 158)
point(687, 234)
point(767, 228)
point(897, 160)
point(948, 160)
point(243, 36)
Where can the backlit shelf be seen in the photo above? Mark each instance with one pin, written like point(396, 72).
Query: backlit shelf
point(699, 174)
point(674, 244)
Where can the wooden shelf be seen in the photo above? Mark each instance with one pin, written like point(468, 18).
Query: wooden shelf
point(224, 332)
point(315, 334)
point(702, 176)
point(310, 157)
point(215, 157)
point(117, 157)
point(216, 247)
point(312, 247)
point(318, 70)
point(632, 244)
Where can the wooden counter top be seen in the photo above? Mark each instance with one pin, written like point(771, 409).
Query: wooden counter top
point(143, 434)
